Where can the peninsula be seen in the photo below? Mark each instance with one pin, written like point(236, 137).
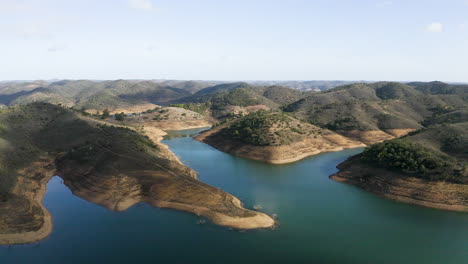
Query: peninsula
point(109, 165)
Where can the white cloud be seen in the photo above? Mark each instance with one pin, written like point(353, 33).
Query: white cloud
point(145, 5)
point(435, 27)
point(385, 3)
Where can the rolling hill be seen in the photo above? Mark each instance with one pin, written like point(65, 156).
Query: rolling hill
point(87, 94)
point(380, 106)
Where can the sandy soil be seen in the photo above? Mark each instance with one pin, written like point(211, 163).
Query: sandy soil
point(131, 109)
point(33, 191)
point(374, 136)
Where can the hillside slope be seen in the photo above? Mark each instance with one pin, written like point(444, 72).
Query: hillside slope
point(380, 108)
point(112, 166)
point(229, 98)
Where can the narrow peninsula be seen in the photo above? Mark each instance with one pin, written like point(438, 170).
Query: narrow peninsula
point(274, 138)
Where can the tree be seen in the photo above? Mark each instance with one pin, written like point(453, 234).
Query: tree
point(120, 117)
point(105, 114)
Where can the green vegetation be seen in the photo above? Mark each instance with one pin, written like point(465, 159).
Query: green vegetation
point(92, 94)
point(383, 105)
point(436, 153)
point(120, 117)
point(29, 132)
point(220, 98)
point(414, 159)
point(267, 128)
point(200, 108)
point(105, 114)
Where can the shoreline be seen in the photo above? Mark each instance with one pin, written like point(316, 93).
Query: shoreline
point(247, 219)
point(394, 186)
point(407, 200)
point(33, 236)
point(279, 154)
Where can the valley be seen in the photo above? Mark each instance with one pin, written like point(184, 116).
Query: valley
point(103, 138)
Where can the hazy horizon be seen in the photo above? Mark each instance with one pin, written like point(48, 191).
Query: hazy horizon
point(227, 81)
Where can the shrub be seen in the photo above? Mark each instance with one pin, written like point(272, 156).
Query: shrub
point(120, 117)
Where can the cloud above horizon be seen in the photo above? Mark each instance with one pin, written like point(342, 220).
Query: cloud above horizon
point(435, 27)
point(145, 5)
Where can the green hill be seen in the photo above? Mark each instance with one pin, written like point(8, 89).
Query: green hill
point(428, 167)
point(222, 97)
point(267, 128)
point(375, 106)
point(437, 153)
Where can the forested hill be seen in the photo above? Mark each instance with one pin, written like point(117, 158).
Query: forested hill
point(383, 105)
point(437, 153)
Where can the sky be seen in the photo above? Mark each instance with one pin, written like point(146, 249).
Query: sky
point(392, 40)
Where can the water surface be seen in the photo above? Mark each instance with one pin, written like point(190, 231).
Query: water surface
point(321, 221)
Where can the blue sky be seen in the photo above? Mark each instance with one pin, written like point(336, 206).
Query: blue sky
point(234, 40)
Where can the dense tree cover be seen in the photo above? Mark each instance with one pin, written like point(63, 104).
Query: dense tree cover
point(412, 158)
point(263, 128)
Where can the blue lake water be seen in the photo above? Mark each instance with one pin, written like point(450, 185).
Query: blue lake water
point(321, 221)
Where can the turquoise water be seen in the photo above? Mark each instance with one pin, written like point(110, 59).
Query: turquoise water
point(321, 221)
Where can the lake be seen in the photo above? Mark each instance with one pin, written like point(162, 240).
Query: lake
point(320, 221)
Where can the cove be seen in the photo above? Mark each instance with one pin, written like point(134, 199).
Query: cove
point(320, 221)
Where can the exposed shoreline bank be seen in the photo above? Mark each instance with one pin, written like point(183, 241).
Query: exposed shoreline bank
point(279, 154)
point(393, 186)
point(178, 189)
